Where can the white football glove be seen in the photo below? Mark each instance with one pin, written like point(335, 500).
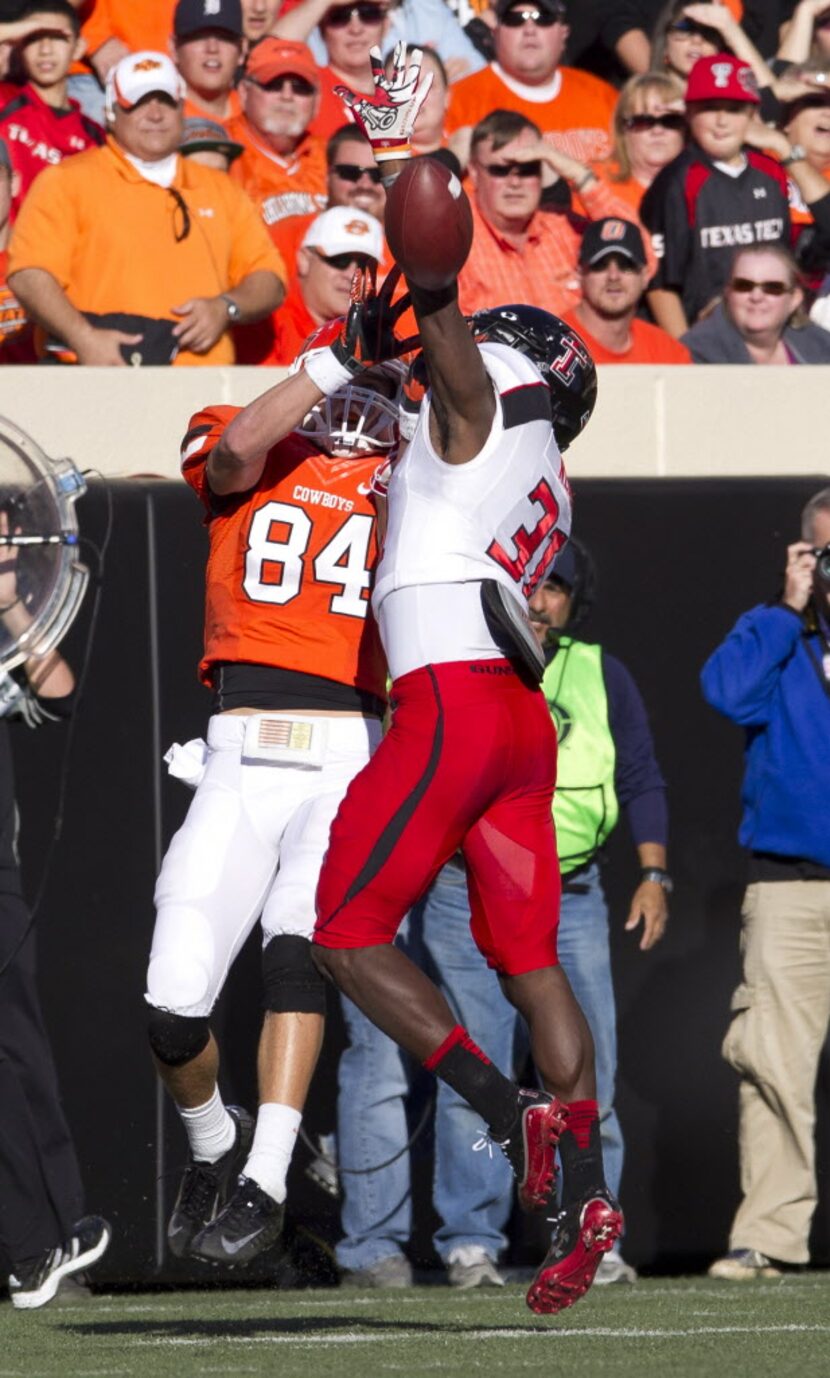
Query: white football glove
point(388, 125)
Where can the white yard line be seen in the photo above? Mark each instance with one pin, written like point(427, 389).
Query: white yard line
point(596, 1333)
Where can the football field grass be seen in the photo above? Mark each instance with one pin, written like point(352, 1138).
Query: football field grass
point(667, 1327)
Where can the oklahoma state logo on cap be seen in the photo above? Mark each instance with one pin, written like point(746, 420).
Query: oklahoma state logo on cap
point(147, 64)
point(357, 227)
point(613, 230)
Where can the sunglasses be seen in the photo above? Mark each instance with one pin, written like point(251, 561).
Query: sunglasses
point(342, 261)
point(299, 86)
point(769, 289)
point(544, 19)
point(533, 168)
point(181, 215)
point(352, 172)
point(685, 28)
point(343, 15)
point(637, 124)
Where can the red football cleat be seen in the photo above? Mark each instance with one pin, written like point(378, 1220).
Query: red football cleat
point(583, 1233)
point(531, 1148)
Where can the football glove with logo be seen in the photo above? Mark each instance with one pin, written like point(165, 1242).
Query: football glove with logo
point(388, 123)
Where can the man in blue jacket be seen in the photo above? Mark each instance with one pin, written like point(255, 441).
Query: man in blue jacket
point(772, 675)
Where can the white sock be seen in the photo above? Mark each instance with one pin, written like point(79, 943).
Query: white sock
point(274, 1139)
point(211, 1131)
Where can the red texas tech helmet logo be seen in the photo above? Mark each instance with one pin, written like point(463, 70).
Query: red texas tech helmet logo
point(572, 356)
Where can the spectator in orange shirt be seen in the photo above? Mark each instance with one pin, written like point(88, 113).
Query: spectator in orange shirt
point(40, 124)
point(353, 178)
point(614, 276)
point(335, 243)
point(208, 48)
point(520, 253)
point(208, 142)
point(573, 109)
point(16, 342)
point(283, 166)
point(649, 131)
point(130, 253)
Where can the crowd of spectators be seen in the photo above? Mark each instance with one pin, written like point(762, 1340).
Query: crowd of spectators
point(704, 127)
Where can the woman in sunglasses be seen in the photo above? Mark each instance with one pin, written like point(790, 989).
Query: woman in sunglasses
point(649, 130)
point(683, 33)
point(759, 320)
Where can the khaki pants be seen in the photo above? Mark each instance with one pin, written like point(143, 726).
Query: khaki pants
point(780, 1018)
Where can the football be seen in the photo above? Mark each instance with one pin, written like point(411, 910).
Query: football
point(429, 224)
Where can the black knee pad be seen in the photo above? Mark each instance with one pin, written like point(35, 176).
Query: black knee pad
point(177, 1038)
point(291, 982)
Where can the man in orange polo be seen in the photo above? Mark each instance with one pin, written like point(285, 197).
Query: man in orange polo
point(133, 230)
point(335, 243)
point(283, 166)
point(572, 108)
point(208, 47)
point(519, 252)
point(614, 276)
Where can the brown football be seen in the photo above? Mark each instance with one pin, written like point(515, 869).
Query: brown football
point(429, 224)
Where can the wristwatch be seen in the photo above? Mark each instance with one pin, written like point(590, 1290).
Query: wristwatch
point(659, 875)
point(233, 310)
point(796, 155)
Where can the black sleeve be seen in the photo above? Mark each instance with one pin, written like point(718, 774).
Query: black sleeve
point(638, 780)
point(663, 212)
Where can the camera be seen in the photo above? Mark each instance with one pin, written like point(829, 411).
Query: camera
point(822, 570)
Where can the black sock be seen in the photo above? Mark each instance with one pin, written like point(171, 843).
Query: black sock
point(582, 1169)
point(463, 1066)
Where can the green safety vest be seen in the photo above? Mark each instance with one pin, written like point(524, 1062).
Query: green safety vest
point(585, 806)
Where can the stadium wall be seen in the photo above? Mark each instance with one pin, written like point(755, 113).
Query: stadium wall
point(649, 421)
point(678, 560)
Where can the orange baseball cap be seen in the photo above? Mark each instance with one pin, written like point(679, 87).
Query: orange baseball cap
point(281, 57)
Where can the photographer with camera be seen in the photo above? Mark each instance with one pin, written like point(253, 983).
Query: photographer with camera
point(772, 675)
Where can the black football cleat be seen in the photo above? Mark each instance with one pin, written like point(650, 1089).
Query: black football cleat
point(250, 1223)
point(205, 1187)
point(39, 1283)
point(582, 1234)
point(531, 1148)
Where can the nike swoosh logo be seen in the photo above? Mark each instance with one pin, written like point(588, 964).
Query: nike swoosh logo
point(234, 1247)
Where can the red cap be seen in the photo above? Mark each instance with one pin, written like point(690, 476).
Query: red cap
point(281, 57)
point(722, 77)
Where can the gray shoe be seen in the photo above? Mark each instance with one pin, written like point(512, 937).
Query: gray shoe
point(471, 1266)
point(742, 1265)
point(393, 1271)
point(613, 1268)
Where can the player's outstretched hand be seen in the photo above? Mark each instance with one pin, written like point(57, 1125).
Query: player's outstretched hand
point(388, 122)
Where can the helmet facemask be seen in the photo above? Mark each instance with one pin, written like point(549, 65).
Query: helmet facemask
point(358, 419)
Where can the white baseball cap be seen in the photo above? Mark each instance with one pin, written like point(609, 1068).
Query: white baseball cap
point(141, 74)
point(344, 230)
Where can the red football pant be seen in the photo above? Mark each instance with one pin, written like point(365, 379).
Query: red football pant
point(469, 762)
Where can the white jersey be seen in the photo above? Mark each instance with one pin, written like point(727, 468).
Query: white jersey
point(501, 516)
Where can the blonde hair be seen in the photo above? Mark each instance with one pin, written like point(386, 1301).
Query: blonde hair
point(630, 98)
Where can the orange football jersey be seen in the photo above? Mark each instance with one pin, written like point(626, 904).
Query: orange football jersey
point(291, 561)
